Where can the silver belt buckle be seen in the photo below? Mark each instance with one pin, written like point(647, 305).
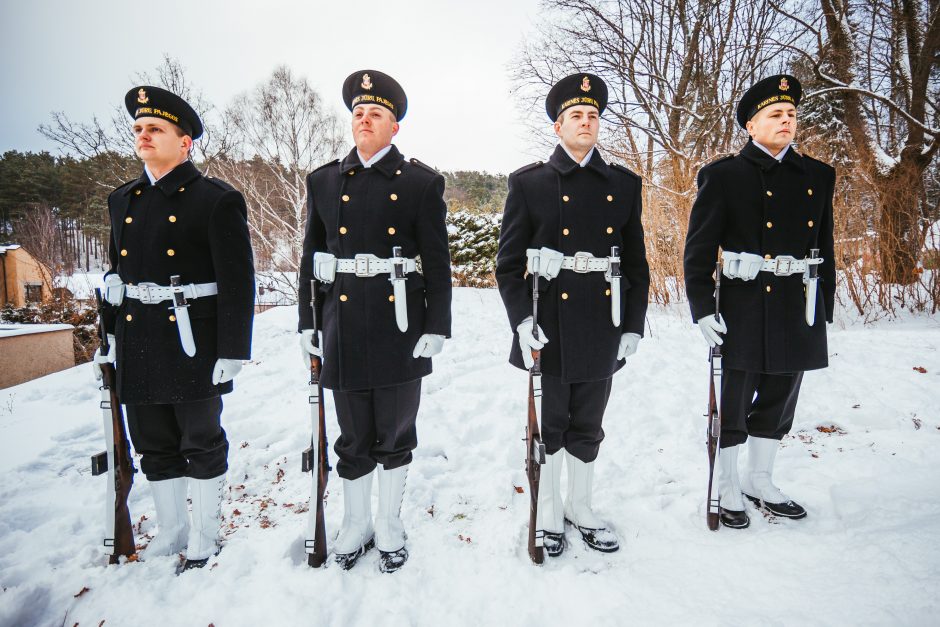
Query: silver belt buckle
point(581, 261)
point(783, 265)
point(362, 266)
point(144, 295)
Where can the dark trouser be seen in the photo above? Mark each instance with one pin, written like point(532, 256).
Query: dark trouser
point(758, 404)
point(572, 414)
point(377, 426)
point(179, 440)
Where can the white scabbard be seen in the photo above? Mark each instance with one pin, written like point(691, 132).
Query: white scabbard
point(615, 301)
point(811, 301)
point(181, 311)
point(397, 278)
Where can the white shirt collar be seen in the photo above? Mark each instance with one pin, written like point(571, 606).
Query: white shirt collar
point(777, 157)
point(150, 175)
point(375, 158)
point(583, 162)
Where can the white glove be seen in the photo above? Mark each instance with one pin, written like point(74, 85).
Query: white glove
point(99, 359)
point(712, 329)
point(307, 349)
point(428, 345)
point(745, 266)
point(114, 289)
point(225, 370)
point(527, 341)
point(324, 267)
point(628, 344)
point(549, 262)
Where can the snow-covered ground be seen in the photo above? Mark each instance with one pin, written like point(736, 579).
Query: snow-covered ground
point(867, 554)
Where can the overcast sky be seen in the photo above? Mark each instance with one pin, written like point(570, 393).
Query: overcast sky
point(451, 57)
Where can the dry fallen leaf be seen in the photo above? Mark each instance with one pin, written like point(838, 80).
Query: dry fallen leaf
point(519, 489)
point(920, 369)
point(81, 592)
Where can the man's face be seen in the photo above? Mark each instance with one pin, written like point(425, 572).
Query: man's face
point(577, 127)
point(774, 127)
point(158, 141)
point(373, 127)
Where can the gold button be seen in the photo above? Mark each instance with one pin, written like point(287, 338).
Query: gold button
point(170, 252)
point(768, 288)
point(182, 189)
point(351, 172)
point(397, 172)
point(766, 256)
point(770, 193)
point(137, 193)
point(770, 225)
point(128, 220)
point(343, 297)
point(610, 198)
point(342, 230)
point(391, 298)
point(394, 196)
point(172, 218)
point(391, 230)
point(172, 318)
point(128, 317)
point(607, 292)
point(345, 198)
point(564, 295)
point(565, 198)
point(610, 230)
point(565, 231)
point(124, 252)
point(810, 191)
point(810, 224)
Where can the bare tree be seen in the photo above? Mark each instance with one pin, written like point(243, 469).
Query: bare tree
point(674, 70)
point(879, 61)
point(283, 132)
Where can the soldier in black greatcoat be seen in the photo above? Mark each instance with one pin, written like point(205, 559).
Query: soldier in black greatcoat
point(174, 362)
point(578, 218)
point(769, 209)
point(376, 242)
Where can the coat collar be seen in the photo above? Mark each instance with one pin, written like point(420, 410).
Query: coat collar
point(387, 165)
point(766, 163)
point(171, 181)
point(566, 165)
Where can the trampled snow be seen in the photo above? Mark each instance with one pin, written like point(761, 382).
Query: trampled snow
point(863, 459)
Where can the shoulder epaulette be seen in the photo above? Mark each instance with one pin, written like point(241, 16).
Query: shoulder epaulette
point(127, 184)
point(823, 163)
point(414, 161)
point(220, 183)
point(526, 168)
point(720, 159)
point(326, 165)
point(617, 166)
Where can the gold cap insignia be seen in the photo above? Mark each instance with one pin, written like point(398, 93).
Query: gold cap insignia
point(784, 84)
point(366, 81)
point(585, 84)
point(142, 96)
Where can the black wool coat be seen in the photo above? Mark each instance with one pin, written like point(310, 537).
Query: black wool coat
point(355, 210)
point(750, 203)
point(572, 209)
point(194, 226)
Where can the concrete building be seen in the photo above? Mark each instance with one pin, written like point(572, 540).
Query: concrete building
point(23, 279)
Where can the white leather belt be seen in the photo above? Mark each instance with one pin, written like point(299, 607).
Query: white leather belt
point(583, 263)
point(785, 265)
point(152, 294)
point(365, 266)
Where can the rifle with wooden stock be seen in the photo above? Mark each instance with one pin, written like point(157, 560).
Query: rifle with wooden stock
point(713, 432)
point(535, 449)
point(315, 456)
point(115, 460)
